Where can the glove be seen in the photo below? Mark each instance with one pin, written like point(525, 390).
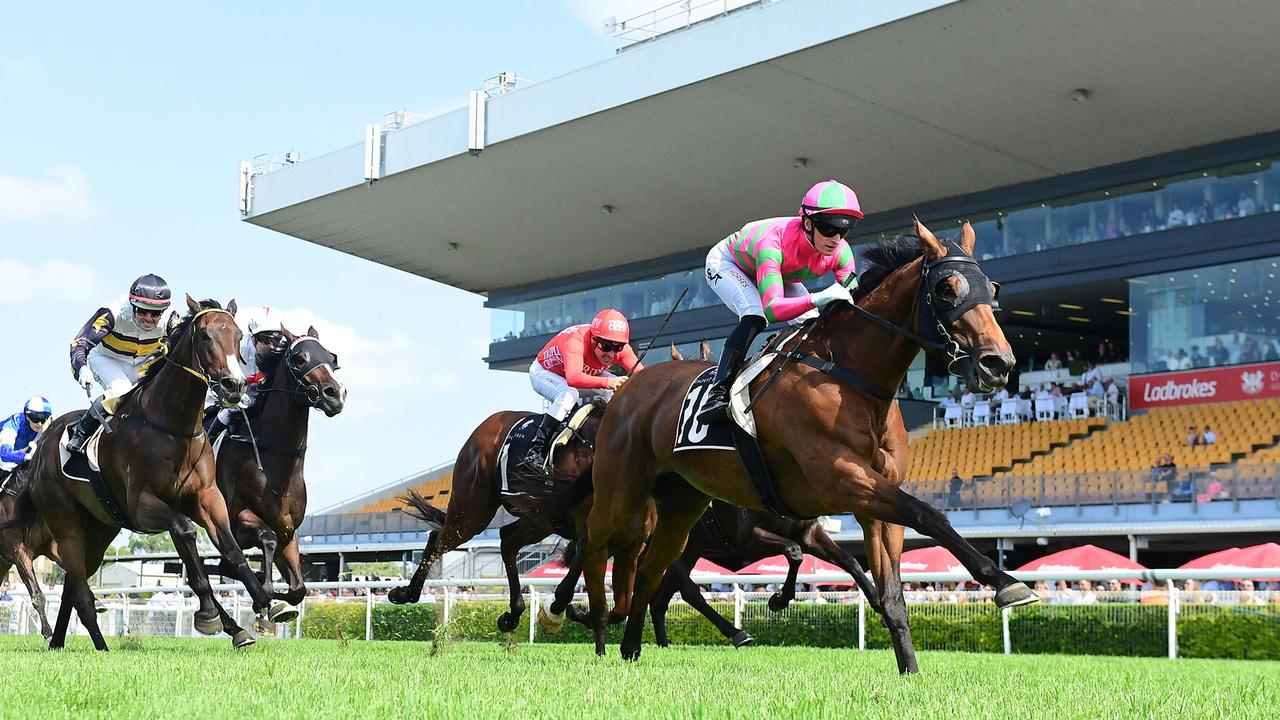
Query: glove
point(85, 377)
point(835, 292)
point(31, 452)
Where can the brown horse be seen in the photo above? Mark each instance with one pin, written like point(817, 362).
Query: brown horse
point(157, 466)
point(23, 542)
point(267, 502)
point(476, 496)
point(821, 426)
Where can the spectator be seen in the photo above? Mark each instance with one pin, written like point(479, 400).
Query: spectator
point(1113, 393)
point(1208, 437)
point(1100, 354)
point(1197, 359)
point(1086, 596)
point(1246, 205)
point(1181, 362)
point(1193, 437)
point(4, 591)
point(1219, 352)
point(1113, 355)
point(1054, 390)
point(1235, 348)
point(1176, 217)
point(1063, 595)
point(954, 488)
point(1249, 352)
point(949, 400)
point(1091, 375)
point(1115, 593)
point(967, 400)
point(1042, 591)
point(1095, 394)
point(1053, 363)
point(1043, 392)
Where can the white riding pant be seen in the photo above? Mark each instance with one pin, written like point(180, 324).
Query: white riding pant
point(557, 391)
point(737, 290)
point(116, 375)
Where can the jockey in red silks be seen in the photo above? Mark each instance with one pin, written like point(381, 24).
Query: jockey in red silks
point(574, 366)
point(759, 272)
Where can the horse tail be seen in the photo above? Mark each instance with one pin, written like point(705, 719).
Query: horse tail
point(419, 508)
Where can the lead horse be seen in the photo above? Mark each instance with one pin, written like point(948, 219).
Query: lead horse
point(821, 425)
point(158, 469)
point(260, 467)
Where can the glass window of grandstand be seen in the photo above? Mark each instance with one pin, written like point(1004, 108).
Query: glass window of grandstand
point(1219, 315)
point(1203, 196)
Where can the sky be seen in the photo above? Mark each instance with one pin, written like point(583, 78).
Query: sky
point(121, 131)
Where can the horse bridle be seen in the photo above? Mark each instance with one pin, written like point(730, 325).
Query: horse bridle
point(298, 375)
point(199, 370)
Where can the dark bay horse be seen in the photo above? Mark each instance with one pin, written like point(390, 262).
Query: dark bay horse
point(158, 467)
point(822, 434)
point(267, 503)
point(22, 542)
point(476, 496)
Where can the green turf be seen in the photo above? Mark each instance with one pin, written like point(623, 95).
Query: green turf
point(160, 677)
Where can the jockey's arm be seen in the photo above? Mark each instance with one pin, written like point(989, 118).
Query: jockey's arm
point(847, 269)
point(89, 336)
point(9, 454)
point(573, 350)
point(777, 306)
point(628, 360)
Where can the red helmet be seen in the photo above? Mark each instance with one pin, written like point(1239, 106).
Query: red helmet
point(611, 325)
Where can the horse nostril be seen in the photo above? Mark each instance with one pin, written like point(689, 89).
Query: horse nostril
point(331, 393)
point(994, 364)
point(231, 385)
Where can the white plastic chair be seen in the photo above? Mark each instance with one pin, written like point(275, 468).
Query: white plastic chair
point(953, 416)
point(1009, 411)
point(1079, 405)
point(982, 413)
point(1044, 409)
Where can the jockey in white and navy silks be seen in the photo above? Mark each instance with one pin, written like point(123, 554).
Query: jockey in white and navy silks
point(113, 344)
point(19, 431)
point(260, 351)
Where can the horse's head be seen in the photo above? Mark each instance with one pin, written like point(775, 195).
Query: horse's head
point(215, 348)
point(959, 302)
point(311, 367)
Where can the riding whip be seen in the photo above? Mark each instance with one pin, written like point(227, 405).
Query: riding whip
point(663, 326)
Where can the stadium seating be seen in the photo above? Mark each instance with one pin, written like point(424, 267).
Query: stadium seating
point(435, 492)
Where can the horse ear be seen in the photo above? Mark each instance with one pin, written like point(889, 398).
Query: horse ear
point(311, 331)
point(288, 335)
point(192, 304)
point(967, 237)
point(705, 349)
point(231, 307)
point(675, 354)
point(932, 248)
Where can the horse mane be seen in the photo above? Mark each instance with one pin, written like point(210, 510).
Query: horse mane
point(882, 259)
point(151, 366)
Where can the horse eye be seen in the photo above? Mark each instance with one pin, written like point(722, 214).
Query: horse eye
point(299, 360)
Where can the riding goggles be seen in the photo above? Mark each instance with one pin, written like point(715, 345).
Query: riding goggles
point(37, 417)
point(609, 346)
point(833, 225)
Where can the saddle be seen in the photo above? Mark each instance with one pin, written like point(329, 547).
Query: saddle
point(90, 489)
point(521, 487)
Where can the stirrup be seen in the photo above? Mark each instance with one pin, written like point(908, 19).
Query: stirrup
point(716, 408)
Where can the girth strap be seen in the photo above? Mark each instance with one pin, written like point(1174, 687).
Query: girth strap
point(156, 426)
point(841, 373)
point(752, 459)
point(293, 453)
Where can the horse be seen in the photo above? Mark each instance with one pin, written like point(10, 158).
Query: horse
point(158, 470)
point(260, 473)
point(476, 496)
point(821, 425)
point(22, 543)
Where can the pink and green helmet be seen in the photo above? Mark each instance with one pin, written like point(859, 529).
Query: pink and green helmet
point(830, 197)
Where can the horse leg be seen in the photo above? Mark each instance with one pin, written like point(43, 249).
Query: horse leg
point(819, 544)
point(762, 543)
point(211, 513)
point(76, 593)
point(59, 638)
point(515, 536)
point(884, 552)
point(289, 563)
point(624, 573)
point(661, 600)
point(691, 593)
point(27, 572)
point(459, 527)
point(679, 509)
point(594, 570)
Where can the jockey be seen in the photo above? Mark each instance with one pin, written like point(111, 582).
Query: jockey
point(759, 271)
point(113, 344)
point(18, 434)
point(260, 350)
point(575, 365)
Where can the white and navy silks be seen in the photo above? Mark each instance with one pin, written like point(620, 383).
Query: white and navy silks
point(258, 320)
point(114, 347)
point(17, 441)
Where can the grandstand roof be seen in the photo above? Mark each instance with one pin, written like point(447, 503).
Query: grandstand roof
point(685, 136)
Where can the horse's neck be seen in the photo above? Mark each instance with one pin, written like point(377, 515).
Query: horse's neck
point(875, 352)
point(282, 421)
point(175, 398)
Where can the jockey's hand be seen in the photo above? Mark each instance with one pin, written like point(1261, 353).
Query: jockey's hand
point(616, 382)
point(31, 452)
point(836, 291)
point(85, 378)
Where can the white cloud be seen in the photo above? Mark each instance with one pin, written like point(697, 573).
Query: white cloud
point(53, 282)
point(61, 193)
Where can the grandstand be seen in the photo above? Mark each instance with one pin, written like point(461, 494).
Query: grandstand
point(434, 491)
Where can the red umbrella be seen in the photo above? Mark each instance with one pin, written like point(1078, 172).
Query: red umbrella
point(777, 565)
point(705, 567)
point(931, 559)
point(1266, 555)
point(1085, 558)
point(555, 569)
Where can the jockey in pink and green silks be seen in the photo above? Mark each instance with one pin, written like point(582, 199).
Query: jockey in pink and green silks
point(759, 272)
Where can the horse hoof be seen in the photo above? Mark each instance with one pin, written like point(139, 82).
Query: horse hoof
point(282, 612)
point(663, 643)
point(630, 652)
point(508, 621)
point(400, 595)
point(550, 623)
point(209, 624)
point(615, 619)
point(577, 614)
point(242, 639)
point(778, 603)
point(1014, 595)
point(741, 638)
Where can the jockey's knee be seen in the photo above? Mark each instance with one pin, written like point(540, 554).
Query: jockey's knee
point(566, 402)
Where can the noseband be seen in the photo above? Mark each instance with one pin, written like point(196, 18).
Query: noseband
point(198, 371)
point(318, 356)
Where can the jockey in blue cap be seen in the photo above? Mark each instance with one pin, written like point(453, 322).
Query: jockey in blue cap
point(18, 434)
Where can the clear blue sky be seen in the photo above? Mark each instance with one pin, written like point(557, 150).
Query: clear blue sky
point(121, 131)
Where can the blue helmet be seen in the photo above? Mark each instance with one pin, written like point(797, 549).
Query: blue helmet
point(38, 409)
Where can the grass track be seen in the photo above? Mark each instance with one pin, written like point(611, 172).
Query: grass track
point(161, 677)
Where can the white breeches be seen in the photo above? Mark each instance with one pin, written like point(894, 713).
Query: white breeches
point(735, 288)
point(557, 391)
point(117, 376)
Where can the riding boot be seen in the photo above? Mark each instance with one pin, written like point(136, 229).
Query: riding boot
point(536, 457)
point(216, 428)
point(735, 347)
point(84, 428)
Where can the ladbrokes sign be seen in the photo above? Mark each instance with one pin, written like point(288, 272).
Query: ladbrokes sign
point(1240, 382)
